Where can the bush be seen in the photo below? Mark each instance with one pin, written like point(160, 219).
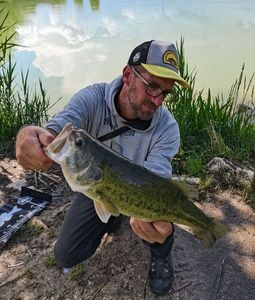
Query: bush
point(210, 126)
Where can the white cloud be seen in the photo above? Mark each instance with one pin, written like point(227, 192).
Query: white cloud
point(111, 25)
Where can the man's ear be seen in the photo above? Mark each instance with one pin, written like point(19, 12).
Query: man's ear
point(127, 74)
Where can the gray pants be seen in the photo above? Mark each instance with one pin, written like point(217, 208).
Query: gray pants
point(82, 231)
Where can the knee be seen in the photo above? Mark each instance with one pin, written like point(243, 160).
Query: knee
point(69, 257)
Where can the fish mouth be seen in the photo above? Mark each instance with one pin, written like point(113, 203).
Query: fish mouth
point(60, 140)
point(74, 134)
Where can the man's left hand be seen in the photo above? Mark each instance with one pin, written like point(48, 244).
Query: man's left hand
point(152, 232)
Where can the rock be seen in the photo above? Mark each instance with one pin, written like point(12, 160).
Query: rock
point(247, 110)
point(188, 179)
point(226, 172)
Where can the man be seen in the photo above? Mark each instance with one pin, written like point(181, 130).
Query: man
point(133, 100)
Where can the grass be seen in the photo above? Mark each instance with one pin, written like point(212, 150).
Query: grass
point(210, 126)
point(19, 103)
point(50, 261)
point(77, 273)
point(31, 229)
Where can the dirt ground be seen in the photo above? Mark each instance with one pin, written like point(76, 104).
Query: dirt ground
point(118, 270)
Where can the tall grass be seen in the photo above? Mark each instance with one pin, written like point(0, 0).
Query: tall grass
point(211, 126)
point(19, 103)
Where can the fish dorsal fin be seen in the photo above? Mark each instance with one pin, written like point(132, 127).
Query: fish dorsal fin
point(102, 212)
point(190, 191)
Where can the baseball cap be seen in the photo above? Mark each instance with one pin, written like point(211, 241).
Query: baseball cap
point(158, 58)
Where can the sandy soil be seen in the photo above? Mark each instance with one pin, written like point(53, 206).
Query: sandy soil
point(119, 268)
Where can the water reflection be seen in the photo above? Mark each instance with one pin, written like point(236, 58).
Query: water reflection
point(75, 43)
point(94, 4)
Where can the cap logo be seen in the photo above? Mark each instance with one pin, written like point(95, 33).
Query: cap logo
point(170, 58)
point(136, 57)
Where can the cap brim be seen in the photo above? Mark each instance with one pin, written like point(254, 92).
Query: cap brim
point(165, 73)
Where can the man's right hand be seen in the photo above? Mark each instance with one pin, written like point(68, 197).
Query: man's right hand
point(29, 147)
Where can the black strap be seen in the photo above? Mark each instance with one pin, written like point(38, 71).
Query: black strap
point(112, 134)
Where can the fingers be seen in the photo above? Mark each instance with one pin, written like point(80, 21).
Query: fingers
point(164, 228)
point(29, 152)
point(151, 232)
point(45, 137)
point(144, 231)
point(34, 158)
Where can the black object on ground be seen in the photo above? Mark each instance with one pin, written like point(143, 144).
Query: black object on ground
point(19, 210)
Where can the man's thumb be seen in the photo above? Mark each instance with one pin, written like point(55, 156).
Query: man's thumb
point(45, 137)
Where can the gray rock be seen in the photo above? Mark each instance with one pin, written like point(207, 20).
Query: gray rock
point(227, 172)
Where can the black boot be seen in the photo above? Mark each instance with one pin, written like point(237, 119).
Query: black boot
point(160, 275)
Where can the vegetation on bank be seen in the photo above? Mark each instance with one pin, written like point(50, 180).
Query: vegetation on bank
point(209, 126)
point(19, 103)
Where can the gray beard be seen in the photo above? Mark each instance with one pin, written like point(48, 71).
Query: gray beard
point(137, 108)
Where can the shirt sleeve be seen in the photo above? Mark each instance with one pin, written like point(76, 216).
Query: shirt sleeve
point(164, 147)
point(80, 111)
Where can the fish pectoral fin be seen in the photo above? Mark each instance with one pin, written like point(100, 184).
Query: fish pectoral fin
point(105, 209)
point(101, 211)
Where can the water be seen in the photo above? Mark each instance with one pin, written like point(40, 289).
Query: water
point(71, 44)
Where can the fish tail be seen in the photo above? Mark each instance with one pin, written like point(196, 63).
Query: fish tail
point(214, 232)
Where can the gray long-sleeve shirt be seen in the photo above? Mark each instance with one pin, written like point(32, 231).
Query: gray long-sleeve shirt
point(93, 110)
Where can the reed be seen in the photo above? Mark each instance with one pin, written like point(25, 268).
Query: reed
point(19, 103)
point(211, 126)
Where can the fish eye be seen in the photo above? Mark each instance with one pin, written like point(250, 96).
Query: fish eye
point(78, 142)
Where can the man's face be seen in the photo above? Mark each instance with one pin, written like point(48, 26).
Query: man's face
point(140, 103)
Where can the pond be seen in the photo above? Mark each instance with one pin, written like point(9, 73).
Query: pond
point(71, 44)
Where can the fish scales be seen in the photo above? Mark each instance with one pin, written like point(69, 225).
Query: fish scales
point(157, 203)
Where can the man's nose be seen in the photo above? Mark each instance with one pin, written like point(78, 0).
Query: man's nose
point(157, 100)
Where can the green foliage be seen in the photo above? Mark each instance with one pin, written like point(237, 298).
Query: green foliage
point(31, 229)
point(78, 272)
point(50, 261)
point(19, 104)
point(193, 165)
point(210, 126)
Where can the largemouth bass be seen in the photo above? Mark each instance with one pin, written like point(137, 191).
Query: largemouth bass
point(118, 185)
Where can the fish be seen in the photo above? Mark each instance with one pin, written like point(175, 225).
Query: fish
point(118, 185)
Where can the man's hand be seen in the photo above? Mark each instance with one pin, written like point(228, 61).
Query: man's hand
point(151, 232)
point(29, 143)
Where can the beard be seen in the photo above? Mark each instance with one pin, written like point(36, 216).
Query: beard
point(139, 109)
